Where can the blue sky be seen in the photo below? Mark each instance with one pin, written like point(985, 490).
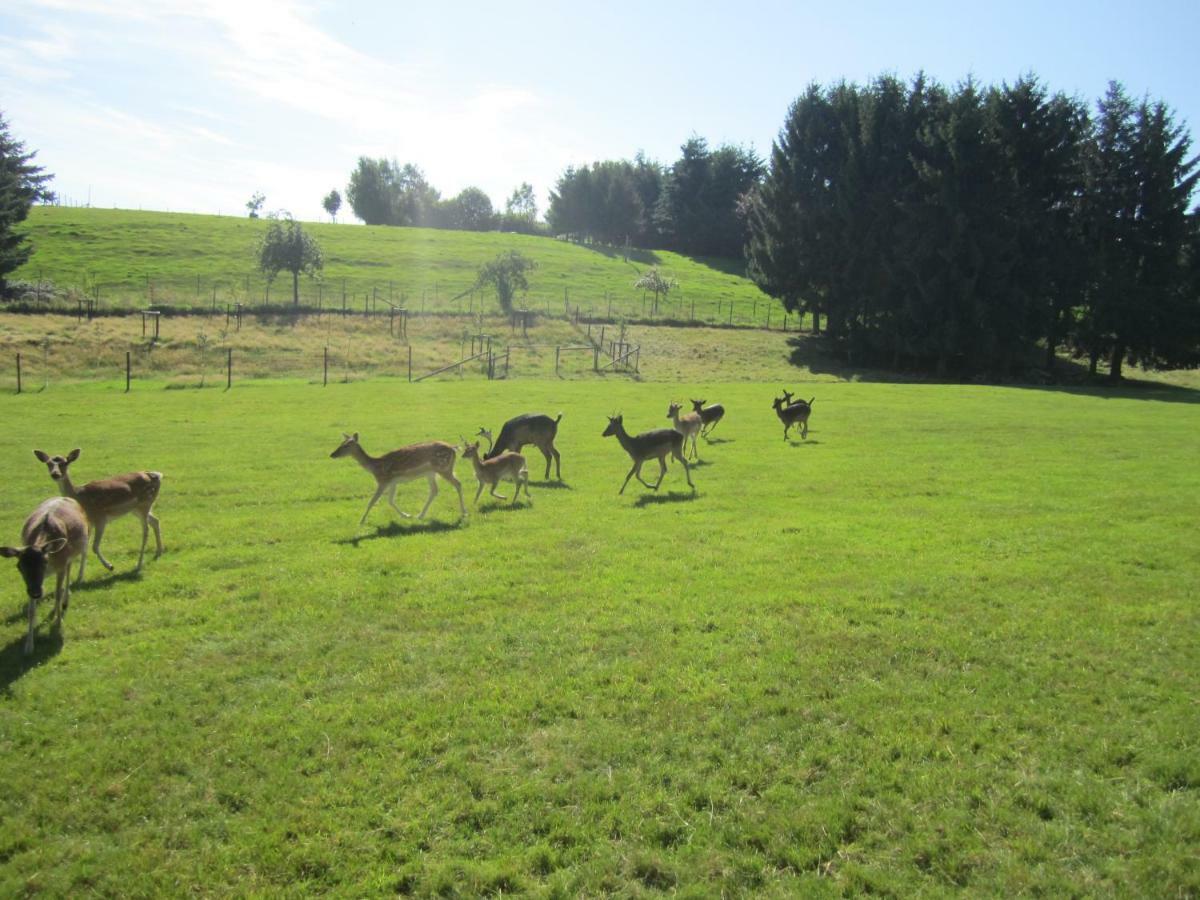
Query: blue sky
point(193, 105)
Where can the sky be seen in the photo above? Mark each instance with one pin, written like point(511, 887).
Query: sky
point(195, 105)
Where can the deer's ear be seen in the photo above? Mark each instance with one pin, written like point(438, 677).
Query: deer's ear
point(354, 437)
point(42, 455)
point(54, 546)
point(10, 552)
point(73, 455)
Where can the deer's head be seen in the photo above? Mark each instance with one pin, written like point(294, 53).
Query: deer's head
point(470, 451)
point(349, 441)
point(673, 410)
point(57, 464)
point(698, 405)
point(614, 426)
point(32, 562)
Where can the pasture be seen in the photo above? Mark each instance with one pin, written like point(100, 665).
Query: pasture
point(947, 643)
point(135, 258)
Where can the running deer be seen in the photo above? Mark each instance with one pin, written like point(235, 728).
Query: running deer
point(54, 533)
point(793, 413)
point(107, 499)
point(650, 445)
point(530, 428)
point(427, 460)
point(689, 425)
point(709, 415)
point(491, 471)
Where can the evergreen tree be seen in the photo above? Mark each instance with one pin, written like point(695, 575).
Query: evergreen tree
point(21, 185)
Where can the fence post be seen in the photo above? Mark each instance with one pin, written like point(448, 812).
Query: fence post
point(325, 374)
point(410, 363)
point(18, 373)
point(556, 352)
point(128, 370)
point(229, 369)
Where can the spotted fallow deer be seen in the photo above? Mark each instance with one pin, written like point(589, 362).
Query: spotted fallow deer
point(107, 499)
point(427, 460)
point(507, 465)
point(655, 444)
point(530, 428)
point(689, 425)
point(54, 533)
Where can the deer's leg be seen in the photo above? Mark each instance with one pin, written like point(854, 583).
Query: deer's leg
point(82, 563)
point(391, 498)
point(804, 430)
point(374, 499)
point(433, 489)
point(60, 597)
point(145, 538)
point(546, 453)
point(96, 545)
point(662, 471)
point(557, 467)
point(638, 473)
point(686, 471)
point(496, 484)
point(636, 466)
point(478, 492)
point(153, 520)
point(449, 476)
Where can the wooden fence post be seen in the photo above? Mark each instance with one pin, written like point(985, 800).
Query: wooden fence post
point(18, 373)
point(410, 363)
point(229, 369)
point(325, 374)
point(128, 370)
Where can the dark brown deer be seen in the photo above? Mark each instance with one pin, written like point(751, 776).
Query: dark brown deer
point(54, 534)
point(709, 415)
point(793, 413)
point(655, 444)
point(530, 428)
point(108, 499)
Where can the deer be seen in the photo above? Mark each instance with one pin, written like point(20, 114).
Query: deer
point(689, 425)
point(54, 534)
point(530, 428)
point(427, 460)
point(793, 413)
point(651, 444)
point(709, 415)
point(486, 434)
point(107, 499)
point(490, 471)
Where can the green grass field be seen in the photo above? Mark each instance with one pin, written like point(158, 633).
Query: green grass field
point(139, 258)
point(947, 644)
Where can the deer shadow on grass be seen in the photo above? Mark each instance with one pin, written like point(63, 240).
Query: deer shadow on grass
point(503, 507)
point(552, 485)
point(14, 663)
point(395, 529)
point(109, 580)
point(669, 497)
point(719, 440)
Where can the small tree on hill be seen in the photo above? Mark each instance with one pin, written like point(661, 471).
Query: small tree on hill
point(287, 246)
point(506, 273)
point(657, 282)
point(332, 203)
point(255, 204)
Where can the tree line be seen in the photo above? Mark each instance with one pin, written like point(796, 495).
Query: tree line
point(383, 192)
point(983, 229)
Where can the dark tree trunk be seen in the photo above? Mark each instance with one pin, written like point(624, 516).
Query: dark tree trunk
point(295, 289)
point(1118, 358)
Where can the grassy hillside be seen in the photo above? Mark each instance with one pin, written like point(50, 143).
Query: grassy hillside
point(182, 259)
point(947, 644)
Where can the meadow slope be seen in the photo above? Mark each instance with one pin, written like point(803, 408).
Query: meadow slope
point(948, 643)
point(135, 258)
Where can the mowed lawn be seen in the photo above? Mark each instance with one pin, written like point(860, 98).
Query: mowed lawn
point(949, 642)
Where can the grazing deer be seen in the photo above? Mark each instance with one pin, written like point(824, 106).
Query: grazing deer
point(426, 460)
point(651, 444)
point(54, 533)
point(107, 499)
point(709, 415)
point(530, 428)
point(490, 471)
point(793, 413)
point(689, 425)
